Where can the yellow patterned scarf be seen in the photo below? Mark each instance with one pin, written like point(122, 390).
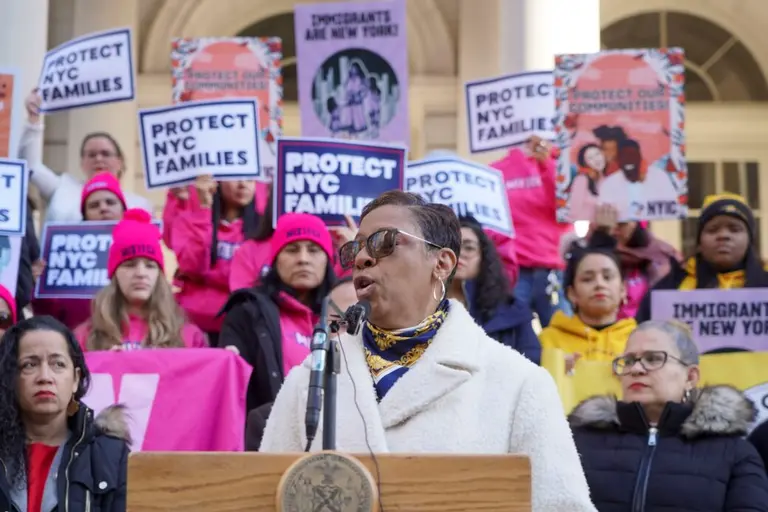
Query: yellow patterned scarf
point(390, 354)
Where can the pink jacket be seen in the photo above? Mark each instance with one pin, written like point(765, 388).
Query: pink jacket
point(249, 263)
point(531, 191)
point(175, 206)
point(137, 330)
point(204, 289)
point(505, 246)
point(297, 322)
point(70, 312)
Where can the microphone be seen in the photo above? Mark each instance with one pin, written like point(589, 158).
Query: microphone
point(356, 315)
point(319, 348)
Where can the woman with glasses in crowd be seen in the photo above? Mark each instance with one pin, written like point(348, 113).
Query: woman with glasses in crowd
point(481, 285)
point(668, 445)
point(99, 152)
point(271, 324)
point(55, 455)
point(7, 309)
point(422, 376)
point(595, 287)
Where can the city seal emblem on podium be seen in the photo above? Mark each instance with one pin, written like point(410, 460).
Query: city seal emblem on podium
point(327, 482)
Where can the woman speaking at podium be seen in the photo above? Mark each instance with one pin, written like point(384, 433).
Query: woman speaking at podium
point(422, 376)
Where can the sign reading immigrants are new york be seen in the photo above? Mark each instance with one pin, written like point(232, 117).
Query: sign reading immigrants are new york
point(720, 319)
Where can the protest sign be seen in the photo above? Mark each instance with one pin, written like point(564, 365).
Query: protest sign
point(89, 70)
point(353, 77)
point(210, 68)
point(76, 259)
point(468, 188)
point(155, 386)
point(506, 111)
point(331, 178)
point(10, 252)
point(11, 111)
point(13, 197)
point(217, 137)
point(719, 318)
point(619, 124)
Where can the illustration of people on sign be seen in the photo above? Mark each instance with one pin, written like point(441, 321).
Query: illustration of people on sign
point(356, 93)
point(615, 172)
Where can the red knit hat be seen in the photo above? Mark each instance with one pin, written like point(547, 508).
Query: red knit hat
point(101, 181)
point(293, 227)
point(8, 297)
point(134, 237)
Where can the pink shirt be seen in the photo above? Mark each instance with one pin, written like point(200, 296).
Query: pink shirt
point(637, 286)
point(251, 261)
point(204, 287)
point(531, 192)
point(296, 325)
point(137, 330)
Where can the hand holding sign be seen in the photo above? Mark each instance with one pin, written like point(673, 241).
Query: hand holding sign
point(32, 103)
point(344, 234)
point(206, 188)
point(606, 216)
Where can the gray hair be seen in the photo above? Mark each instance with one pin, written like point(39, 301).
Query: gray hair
point(680, 333)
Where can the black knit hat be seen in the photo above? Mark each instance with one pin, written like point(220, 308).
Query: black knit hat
point(726, 204)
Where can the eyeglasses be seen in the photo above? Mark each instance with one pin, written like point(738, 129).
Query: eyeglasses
point(378, 245)
point(6, 321)
point(650, 361)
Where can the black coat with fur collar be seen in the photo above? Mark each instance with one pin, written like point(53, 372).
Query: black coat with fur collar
point(92, 474)
point(694, 460)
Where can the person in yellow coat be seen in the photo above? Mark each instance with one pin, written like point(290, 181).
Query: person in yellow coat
point(595, 286)
point(726, 256)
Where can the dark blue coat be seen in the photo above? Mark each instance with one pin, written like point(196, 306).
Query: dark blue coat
point(509, 325)
point(93, 467)
point(694, 460)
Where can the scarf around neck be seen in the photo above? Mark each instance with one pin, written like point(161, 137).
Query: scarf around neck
point(390, 354)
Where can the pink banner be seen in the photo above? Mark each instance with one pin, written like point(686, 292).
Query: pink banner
point(178, 399)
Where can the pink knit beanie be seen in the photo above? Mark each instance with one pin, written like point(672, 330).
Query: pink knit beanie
point(134, 237)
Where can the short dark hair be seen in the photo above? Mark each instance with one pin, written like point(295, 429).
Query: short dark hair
point(629, 143)
point(438, 223)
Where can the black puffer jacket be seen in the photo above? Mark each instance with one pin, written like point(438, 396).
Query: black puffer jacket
point(695, 460)
point(92, 472)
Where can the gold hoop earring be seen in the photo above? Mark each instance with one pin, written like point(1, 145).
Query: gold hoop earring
point(442, 296)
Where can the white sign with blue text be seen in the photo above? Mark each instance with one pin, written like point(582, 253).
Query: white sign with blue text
point(13, 197)
point(506, 111)
point(468, 188)
point(89, 70)
point(219, 138)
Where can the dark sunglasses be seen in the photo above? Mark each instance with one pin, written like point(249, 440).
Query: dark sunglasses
point(6, 321)
point(379, 245)
point(650, 361)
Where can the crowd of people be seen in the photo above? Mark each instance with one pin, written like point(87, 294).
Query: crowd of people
point(448, 360)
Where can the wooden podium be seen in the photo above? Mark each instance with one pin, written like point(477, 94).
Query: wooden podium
point(162, 481)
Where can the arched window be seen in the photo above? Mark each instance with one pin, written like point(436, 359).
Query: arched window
point(720, 69)
point(280, 26)
point(718, 66)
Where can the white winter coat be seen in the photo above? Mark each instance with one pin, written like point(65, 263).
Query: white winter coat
point(468, 394)
point(61, 191)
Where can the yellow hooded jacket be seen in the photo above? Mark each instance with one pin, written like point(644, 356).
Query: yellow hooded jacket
point(573, 336)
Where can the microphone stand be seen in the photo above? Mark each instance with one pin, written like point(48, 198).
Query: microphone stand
point(332, 369)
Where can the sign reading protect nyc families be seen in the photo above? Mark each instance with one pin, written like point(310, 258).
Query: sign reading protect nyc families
point(76, 259)
point(468, 188)
point(506, 111)
point(719, 318)
point(90, 70)
point(217, 137)
point(331, 178)
point(13, 197)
